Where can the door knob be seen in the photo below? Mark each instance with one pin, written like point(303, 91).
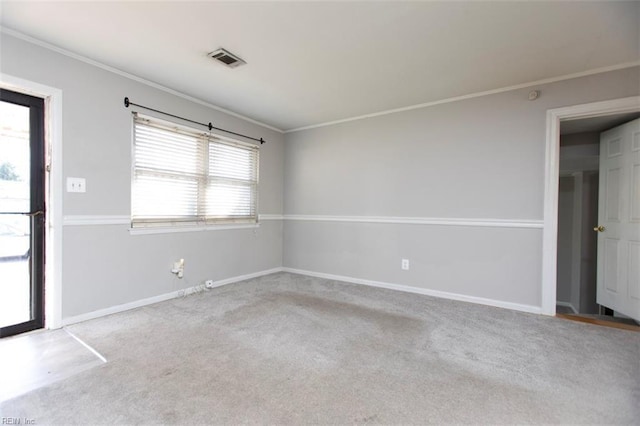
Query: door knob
point(599, 228)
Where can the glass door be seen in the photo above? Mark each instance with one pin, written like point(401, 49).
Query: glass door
point(22, 213)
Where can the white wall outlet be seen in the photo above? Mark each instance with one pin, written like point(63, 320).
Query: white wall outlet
point(405, 264)
point(178, 268)
point(76, 184)
point(208, 283)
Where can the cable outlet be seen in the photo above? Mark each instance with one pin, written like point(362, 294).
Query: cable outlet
point(405, 264)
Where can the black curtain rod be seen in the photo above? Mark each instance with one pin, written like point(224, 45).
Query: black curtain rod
point(209, 126)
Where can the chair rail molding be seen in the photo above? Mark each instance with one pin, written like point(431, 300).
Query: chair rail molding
point(477, 222)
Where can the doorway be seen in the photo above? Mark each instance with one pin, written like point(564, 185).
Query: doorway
point(22, 212)
point(578, 202)
point(552, 180)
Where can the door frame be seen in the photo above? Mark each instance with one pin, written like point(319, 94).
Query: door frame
point(35, 212)
point(551, 181)
point(53, 191)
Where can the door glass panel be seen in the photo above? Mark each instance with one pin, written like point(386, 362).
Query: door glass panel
point(15, 240)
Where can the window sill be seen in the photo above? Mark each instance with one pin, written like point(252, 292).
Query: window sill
point(176, 229)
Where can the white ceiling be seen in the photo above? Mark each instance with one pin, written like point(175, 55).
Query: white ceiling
point(310, 63)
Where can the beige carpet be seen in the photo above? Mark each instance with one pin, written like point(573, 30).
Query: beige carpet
point(287, 349)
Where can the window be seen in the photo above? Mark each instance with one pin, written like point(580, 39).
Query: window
point(185, 177)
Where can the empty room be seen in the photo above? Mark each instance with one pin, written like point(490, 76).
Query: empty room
point(319, 212)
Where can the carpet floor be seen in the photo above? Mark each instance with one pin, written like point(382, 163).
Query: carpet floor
point(289, 349)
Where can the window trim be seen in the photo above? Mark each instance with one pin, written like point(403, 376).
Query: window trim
point(142, 226)
point(148, 230)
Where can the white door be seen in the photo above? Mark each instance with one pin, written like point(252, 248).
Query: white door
point(618, 229)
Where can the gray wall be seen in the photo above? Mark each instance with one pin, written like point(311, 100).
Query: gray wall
point(481, 158)
point(577, 243)
point(577, 215)
point(588, 262)
point(103, 265)
point(579, 152)
point(566, 207)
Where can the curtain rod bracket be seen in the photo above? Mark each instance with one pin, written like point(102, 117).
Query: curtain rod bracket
point(210, 126)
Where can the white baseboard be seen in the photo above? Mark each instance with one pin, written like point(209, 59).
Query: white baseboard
point(160, 298)
point(423, 291)
point(567, 305)
point(409, 289)
point(246, 277)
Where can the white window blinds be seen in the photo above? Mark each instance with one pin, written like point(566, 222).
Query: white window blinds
point(182, 176)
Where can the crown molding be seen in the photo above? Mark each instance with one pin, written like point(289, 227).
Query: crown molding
point(174, 92)
point(130, 76)
point(473, 95)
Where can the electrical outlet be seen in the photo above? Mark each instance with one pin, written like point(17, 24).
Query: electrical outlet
point(405, 264)
point(76, 184)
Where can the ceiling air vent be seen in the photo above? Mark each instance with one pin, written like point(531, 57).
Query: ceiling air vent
point(227, 58)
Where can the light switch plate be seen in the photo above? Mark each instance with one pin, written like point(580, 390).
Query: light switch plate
point(76, 184)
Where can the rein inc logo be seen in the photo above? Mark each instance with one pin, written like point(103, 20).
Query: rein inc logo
point(16, 421)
